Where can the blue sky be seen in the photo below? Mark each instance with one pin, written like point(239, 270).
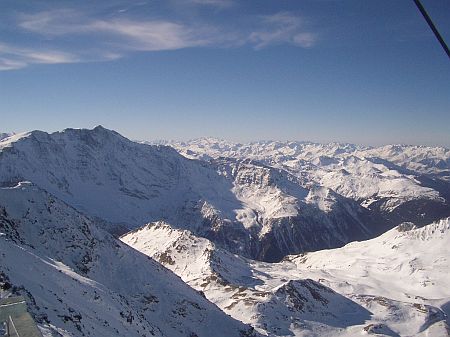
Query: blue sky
point(359, 71)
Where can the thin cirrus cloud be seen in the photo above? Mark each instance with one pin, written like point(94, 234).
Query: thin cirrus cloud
point(281, 28)
point(114, 37)
point(12, 57)
point(153, 35)
point(120, 33)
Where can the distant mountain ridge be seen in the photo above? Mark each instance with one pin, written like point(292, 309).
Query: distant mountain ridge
point(4, 135)
point(269, 201)
point(414, 157)
point(376, 177)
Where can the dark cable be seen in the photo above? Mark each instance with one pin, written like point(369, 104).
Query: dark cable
point(432, 26)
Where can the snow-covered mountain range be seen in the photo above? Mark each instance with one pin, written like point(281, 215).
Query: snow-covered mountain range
point(259, 207)
point(393, 285)
point(419, 159)
point(217, 210)
point(358, 172)
point(383, 186)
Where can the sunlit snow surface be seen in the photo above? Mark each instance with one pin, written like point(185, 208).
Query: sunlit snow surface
point(393, 285)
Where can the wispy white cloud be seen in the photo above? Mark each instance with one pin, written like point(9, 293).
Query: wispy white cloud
point(153, 35)
point(283, 27)
point(12, 57)
point(103, 39)
point(149, 35)
point(54, 22)
point(305, 40)
point(109, 38)
point(11, 64)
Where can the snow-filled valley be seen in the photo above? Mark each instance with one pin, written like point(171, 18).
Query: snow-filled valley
point(287, 238)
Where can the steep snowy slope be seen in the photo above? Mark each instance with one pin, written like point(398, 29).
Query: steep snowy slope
point(292, 306)
point(248, 207)
point(99, 172)
point(285, 214)
point(80, 281)
point(393, 285)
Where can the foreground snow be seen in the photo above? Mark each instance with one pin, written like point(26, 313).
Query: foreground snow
point(80, 281)
point(393, 285)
